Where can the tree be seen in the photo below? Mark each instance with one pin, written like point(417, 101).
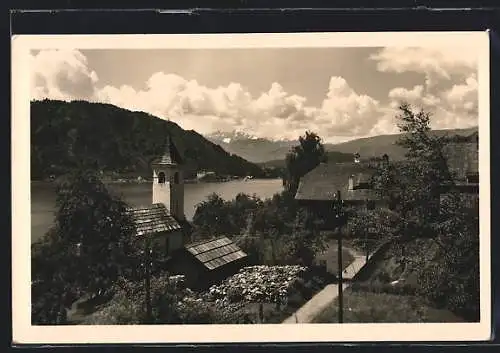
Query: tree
point(271, 227)
point(373, 226)
point(96, 230)
point(451, 277)
point(216, 216)
point(412, 187)
point(51, 289)
point(306, 239)
point(426, 170)
point(211, 217)
point(86, 251)
point(447, 266)
point(239, 210)
point(303, 158)
point(386, 181)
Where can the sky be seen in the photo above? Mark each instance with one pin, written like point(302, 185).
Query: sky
point(274, 93)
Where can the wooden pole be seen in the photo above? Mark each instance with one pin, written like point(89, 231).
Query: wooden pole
point(340, 265)
point(148, 283)
point(366, 235)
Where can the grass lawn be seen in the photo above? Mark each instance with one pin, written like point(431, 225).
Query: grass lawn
point(370, 307)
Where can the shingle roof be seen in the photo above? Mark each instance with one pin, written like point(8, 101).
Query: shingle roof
point(215, 253)
point(322, 182)
point(462, 158)
point(153, 219)
point(170, 155)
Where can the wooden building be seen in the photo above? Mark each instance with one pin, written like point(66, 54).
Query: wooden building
point(463, 163)
point(318, 189)
point(208, 262)
point(156, 227)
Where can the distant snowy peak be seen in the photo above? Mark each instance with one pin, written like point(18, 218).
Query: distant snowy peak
point(228, 136)
point(235, 136)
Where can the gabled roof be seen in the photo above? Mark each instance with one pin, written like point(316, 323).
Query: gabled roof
point(153, 219)
point(171, 155)
point(215, 253)
point(322, 182)
point(462, 159)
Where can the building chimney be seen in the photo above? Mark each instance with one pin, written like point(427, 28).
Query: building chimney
point(356, 157)
point(351, 182)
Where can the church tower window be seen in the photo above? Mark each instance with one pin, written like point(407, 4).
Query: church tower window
point(176, 178)
point(161, 178)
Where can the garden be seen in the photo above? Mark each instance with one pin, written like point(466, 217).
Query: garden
point(256, 294)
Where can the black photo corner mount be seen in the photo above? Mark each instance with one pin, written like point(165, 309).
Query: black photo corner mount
point(313, 16)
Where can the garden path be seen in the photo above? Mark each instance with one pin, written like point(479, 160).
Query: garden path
point(324, 298)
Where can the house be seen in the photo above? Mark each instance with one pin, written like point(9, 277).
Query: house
point(203, 173)
point(208, 262)
point(158, 227)
point(462, 157)
point(163, 225)
point(318, 189)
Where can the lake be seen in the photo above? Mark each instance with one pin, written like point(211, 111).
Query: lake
point(43, 197)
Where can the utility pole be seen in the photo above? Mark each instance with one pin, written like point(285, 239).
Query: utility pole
point(367, 247)
point(147, 280)
point(339, 215)
point(366, 234)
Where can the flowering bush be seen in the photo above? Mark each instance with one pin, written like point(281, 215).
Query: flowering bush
point(257, 284)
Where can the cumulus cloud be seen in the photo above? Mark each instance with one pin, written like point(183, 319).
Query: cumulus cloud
point(272, 114)
point(435, 63)
point(399, 94)
point(453, 102)
point(345, 112)
point(61, 74)
point(453, 107)
point(276, 113)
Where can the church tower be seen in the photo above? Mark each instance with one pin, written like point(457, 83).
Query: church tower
point(168, 181)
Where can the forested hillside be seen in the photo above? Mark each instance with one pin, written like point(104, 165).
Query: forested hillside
point(103, 137)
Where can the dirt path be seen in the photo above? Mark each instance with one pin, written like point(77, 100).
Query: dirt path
point(327, 295)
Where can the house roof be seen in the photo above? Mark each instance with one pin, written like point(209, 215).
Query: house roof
point(462, 159)
point(171, 155)
point(322, 182)
point(215, 253)
point(152, 219)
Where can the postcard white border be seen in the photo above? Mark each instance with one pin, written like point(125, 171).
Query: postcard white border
point(25, 333)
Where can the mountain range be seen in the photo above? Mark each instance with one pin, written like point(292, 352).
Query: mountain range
point(104, 137)
point(269, 152)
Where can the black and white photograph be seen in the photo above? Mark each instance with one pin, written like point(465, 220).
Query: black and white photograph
point(297, 187)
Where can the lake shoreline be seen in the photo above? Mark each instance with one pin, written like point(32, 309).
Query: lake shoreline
point(189, 181)
point(43, 196)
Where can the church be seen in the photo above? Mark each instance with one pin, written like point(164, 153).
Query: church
point(163, 225)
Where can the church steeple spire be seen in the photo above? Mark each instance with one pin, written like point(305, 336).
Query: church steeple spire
point(170, 154)
point(168, 182)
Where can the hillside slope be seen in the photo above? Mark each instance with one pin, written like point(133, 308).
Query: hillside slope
point(378, 145)
point(105, 137)
point(332, 157)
